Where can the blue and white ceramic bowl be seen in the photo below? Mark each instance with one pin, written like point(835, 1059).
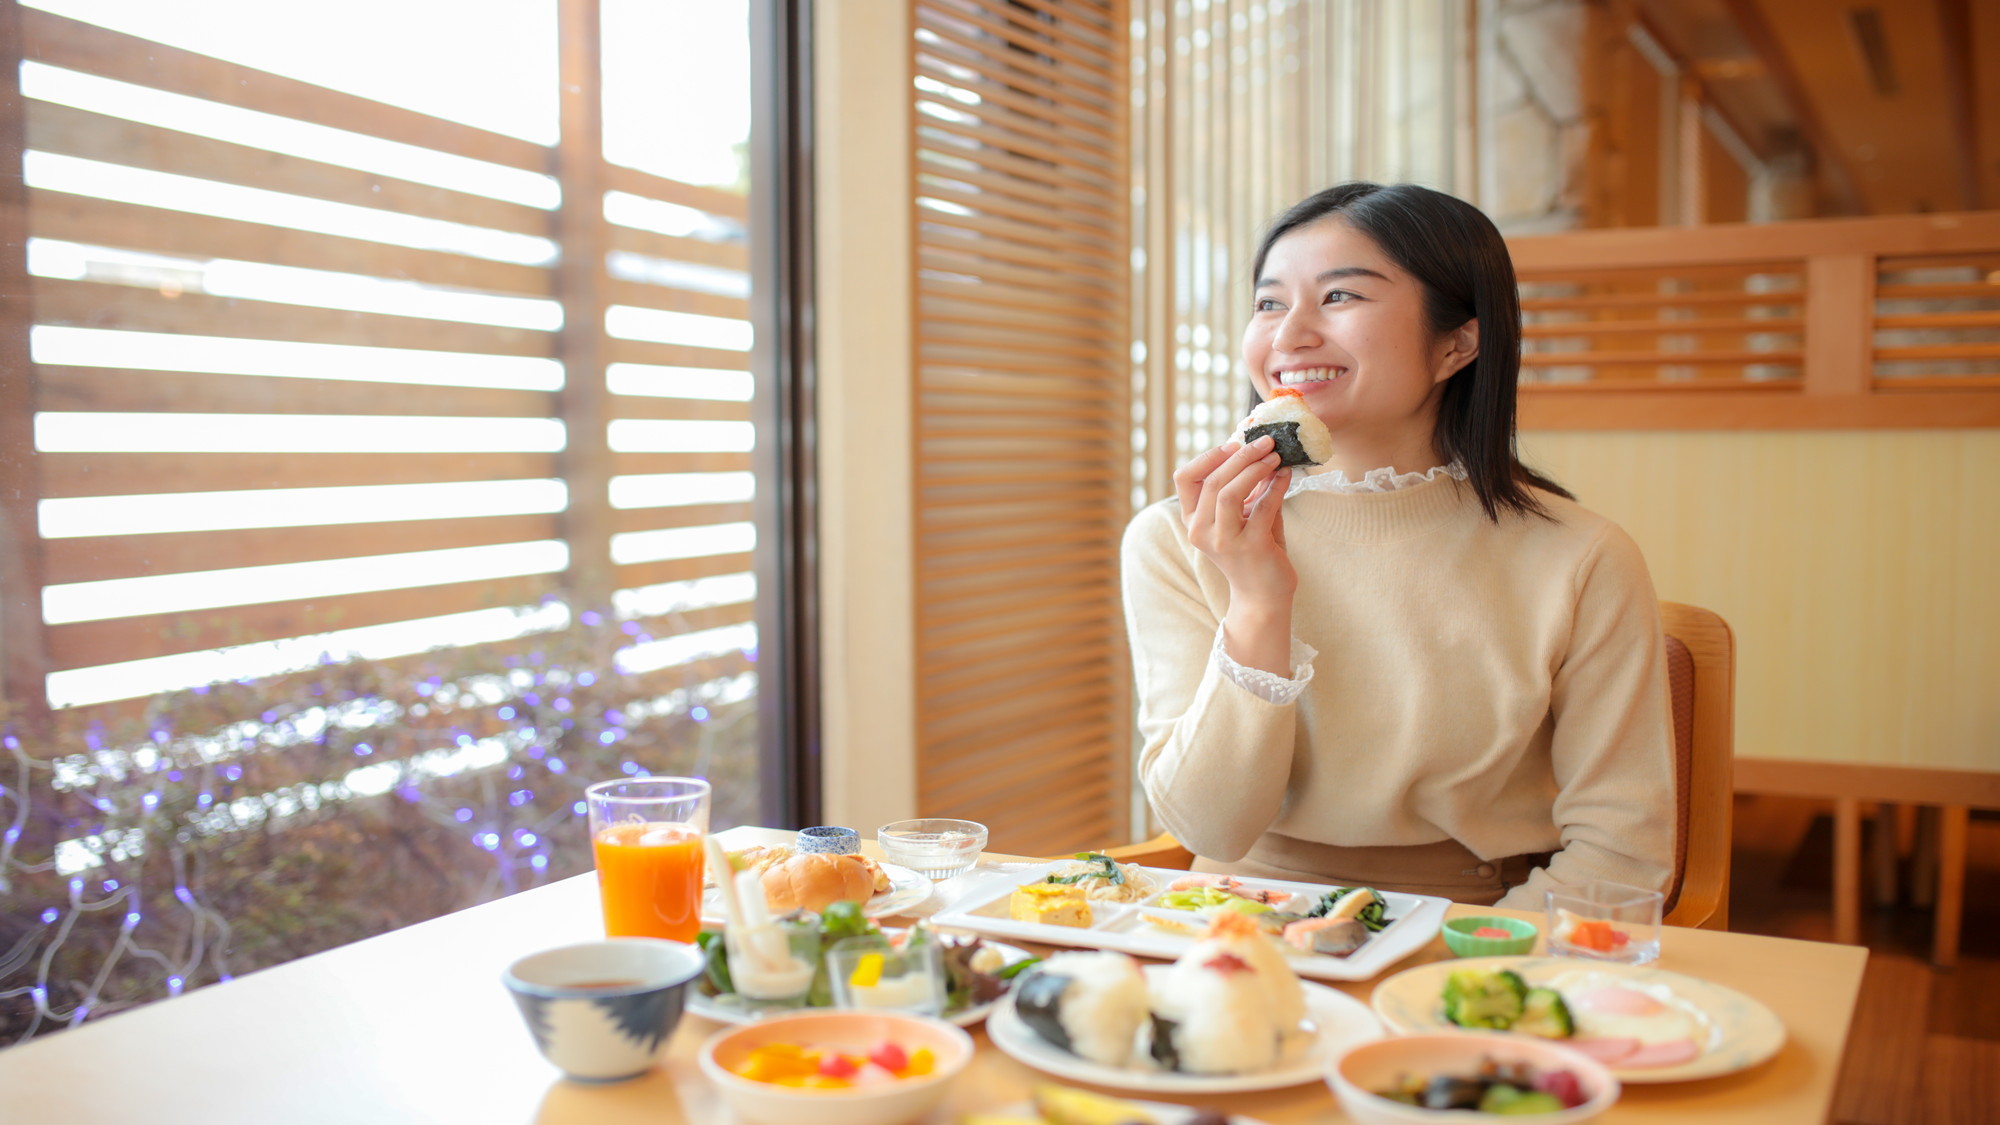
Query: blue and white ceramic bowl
point(602, 1010)
point(829, 839)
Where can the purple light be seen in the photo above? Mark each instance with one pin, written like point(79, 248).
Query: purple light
point(40, 994)
point(131, 919)
point(233, 773)
point(535, 753)
point(151, 801)
point(629, 767)
point(532, 700)
point(205, 800)
point(590, 617)
point(174, 985)
point(202, 690)
point(11, 742)
point(514, 773)
point(615, 717)
point(183, 894)
point(487, 840)
point(424, 687)
point(173, 775)
point(49, 916)
point(13, 834)
point(750, 654)
point(225, 977)
point(111, 884)
point(561, 703)
point(462, 815)
point(700, 714)
point(362, 749)
point(505, 712)
point(525, 838)
point(630, 628)
point(520, 797)
point(607, 737)
point(538, 862)
point(556, 765)
point(586, 678)
point(269, 716)
point(578, 808)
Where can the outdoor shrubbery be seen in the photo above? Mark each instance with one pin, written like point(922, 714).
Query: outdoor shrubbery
point(223, 830)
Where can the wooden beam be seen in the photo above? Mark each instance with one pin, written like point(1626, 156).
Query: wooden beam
point(1955, 32)
point(23, 641)
point(586, 462)
point(1757, 32)
point(1913, 785)
point(1840, 319)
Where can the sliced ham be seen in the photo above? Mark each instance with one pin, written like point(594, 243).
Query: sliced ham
point(1670, 1052)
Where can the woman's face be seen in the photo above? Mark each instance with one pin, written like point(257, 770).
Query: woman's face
point(1334, 317)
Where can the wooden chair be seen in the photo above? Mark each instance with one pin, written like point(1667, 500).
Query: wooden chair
point(1701, 677)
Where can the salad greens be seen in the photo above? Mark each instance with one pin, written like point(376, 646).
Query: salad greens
point(1101, 867)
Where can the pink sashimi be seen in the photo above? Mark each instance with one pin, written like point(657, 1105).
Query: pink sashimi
point(1610, 1052)
point(1671, 1052)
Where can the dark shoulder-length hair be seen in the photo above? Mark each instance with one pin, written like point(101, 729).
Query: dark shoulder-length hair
point(1455, 252)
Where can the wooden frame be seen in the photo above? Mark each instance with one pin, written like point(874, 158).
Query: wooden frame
point(1703, 898)
point(1836, 262)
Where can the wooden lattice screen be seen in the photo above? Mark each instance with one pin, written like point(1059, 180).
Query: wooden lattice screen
point(1022, 445)
point(566, 253)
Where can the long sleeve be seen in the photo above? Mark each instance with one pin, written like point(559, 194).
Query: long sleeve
point(1612, 747)
point(1215, 758)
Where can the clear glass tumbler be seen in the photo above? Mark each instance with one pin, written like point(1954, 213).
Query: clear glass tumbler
point(933, 847)
point(646, 834)
point(1604, 921)
point(869, 972)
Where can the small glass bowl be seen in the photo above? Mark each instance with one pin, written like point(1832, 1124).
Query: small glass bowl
point(934, 848)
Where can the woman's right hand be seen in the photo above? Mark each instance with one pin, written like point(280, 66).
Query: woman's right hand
point(1231, 499)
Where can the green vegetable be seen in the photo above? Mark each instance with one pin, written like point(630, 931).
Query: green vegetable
point(715, 964)
point(1103, 867)
point(1543, 1013)
point(1477, 998)
point(1374, 916)
point(1512, 1101)
point(1018, 967)
point(844, 919)
point(1205, 898)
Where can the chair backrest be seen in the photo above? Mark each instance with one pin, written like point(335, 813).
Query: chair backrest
point(1701, 675)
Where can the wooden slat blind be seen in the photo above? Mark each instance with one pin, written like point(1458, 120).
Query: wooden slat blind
point(1246, 107)
point(1022, 448)
point(589, 265)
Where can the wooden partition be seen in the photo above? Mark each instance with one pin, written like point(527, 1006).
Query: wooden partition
point(540, 367)
point(1822, 324)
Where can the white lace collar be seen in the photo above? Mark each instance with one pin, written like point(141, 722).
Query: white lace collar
point(1385, 479)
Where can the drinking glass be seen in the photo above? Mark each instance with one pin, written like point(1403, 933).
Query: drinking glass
point(1604, 921)
point(869, 972)
point(645, 834)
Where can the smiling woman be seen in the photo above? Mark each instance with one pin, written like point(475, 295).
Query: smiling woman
point(1492, 719)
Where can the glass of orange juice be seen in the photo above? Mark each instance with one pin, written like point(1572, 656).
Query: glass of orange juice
point(646, 835)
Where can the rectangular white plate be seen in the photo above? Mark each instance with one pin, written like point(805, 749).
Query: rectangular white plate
point(1413, 921)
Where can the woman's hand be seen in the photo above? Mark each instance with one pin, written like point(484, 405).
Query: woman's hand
point(1231, 499)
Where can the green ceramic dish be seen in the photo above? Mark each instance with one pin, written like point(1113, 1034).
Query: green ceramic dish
point(1459, 939)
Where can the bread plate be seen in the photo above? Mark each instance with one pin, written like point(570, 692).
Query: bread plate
point(906, 889)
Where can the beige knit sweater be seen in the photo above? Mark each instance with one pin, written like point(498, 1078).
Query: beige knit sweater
point(1500, 684)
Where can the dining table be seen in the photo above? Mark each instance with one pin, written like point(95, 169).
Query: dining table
point(414, 1026)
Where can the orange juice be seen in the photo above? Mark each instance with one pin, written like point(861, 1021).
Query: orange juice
point(650, 878)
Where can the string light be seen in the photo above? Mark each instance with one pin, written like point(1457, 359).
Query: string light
point(136, 812)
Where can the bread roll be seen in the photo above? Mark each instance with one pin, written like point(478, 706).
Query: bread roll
point(813, 882)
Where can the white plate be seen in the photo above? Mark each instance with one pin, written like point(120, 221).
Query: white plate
point(1339, 1021)
point(1413, 922)
point(706, 1006)
point(1740, 1032)
point(1166, 1113)
point(906, 889)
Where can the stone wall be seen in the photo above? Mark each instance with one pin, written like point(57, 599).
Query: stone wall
point(1532, 135)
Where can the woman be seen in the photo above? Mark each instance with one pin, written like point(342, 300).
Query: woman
point(1420, 667)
